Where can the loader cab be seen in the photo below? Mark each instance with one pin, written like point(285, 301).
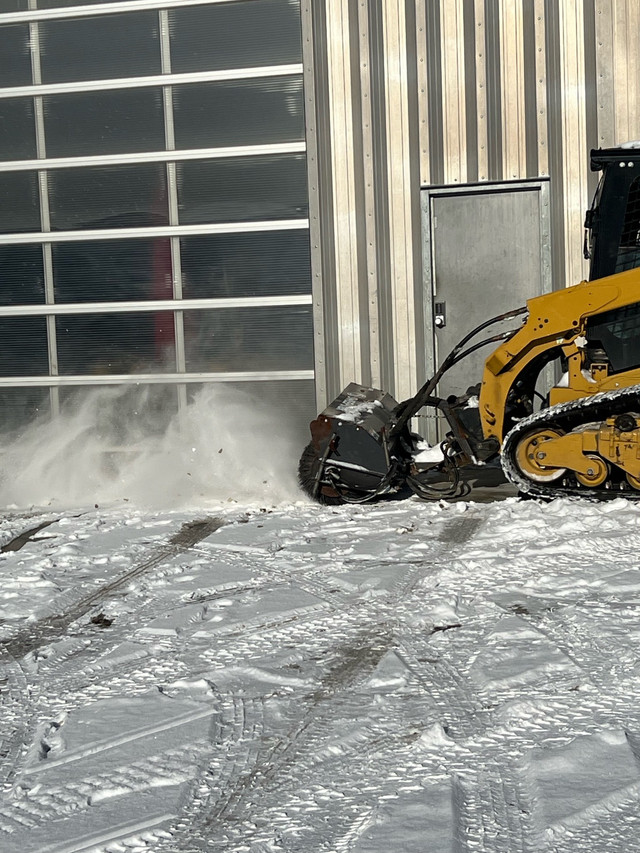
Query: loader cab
point(612, 235)
point(612, 244)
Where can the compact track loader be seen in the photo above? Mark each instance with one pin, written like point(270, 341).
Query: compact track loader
point(580, 436)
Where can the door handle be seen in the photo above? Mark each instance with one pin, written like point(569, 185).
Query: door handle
point(440, 315)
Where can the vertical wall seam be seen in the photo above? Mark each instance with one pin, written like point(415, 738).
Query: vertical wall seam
point(423, 89)
point(470, 90)
point(634, 130)
point(401, 231)
point(369, 198)
point(554, 104)
point(434, 92)
point(573, 130)
point(479, 45)
point(383, 284)
point(413, 118)
point(530, 127)
point(622, 61)
point(45, 215)
point(453, 87)
point(494, 97)
point(605, 94)
point(172, 204)
point(633, 69)
point(361, 295)
point(319, 169)
point(344, 189)
point(540, 71)
point(590, 76)
point(512, 88)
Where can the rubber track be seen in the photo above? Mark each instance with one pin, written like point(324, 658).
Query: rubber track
point(568, 416)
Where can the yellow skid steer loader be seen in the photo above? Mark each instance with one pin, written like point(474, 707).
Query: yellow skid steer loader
point(581, 437)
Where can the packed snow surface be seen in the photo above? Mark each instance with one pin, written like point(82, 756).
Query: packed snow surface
point(256, 677)
point(195, 658)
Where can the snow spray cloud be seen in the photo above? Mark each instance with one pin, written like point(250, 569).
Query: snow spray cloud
point(225, 446)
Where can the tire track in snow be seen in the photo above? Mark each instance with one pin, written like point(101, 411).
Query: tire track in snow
point(28, 640)
point(330, 597)
point(284, 782)
point(462, 714)
point(610, 826)
point(56, 801)
point(102, 777)
point(291, 763)
point(16, 715)
point(248, 754)
point(269, 772)
point(494, 808)
point(271, 579)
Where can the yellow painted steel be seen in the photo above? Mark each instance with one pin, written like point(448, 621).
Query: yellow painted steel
point(546, 454)
point(557, 321)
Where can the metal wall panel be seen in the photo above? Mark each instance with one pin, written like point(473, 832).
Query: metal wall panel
point(618, 74)
point(404, 219)
point(366, 236)
point(454, 114)
point(344, 94)
point(449, 92)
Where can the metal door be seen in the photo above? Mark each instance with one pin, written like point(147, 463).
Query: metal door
point(486, 251)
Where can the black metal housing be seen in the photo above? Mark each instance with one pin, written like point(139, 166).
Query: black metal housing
point(351, 436)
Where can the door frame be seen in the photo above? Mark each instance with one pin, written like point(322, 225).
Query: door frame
point(427, 195)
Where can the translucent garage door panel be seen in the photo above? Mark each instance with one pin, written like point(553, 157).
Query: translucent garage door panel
point(116, 343)
point(19, 202)
point(24, 346)
point(256, 188)
point(95, 48)
point(232, 339)
point(122, 416)
point(21, 275)
point(15, 56)
point(22, 406)
point(255, 112)
point(122, 121)
point(15, 5)
point(112, 270)
point(258, 264)
point(264, 403)
point(108, 197)
point(235, 35)
point(17, 129)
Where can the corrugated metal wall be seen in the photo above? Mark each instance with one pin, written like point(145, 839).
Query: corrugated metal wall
point(404, 93)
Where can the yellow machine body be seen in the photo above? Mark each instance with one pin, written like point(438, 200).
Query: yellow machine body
point(559, 322)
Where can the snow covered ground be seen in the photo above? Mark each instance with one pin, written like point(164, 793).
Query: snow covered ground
point(183, 673)
point(405, 676)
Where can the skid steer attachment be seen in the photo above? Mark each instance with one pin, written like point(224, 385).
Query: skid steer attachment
point(349, 454)
point(362, 447)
